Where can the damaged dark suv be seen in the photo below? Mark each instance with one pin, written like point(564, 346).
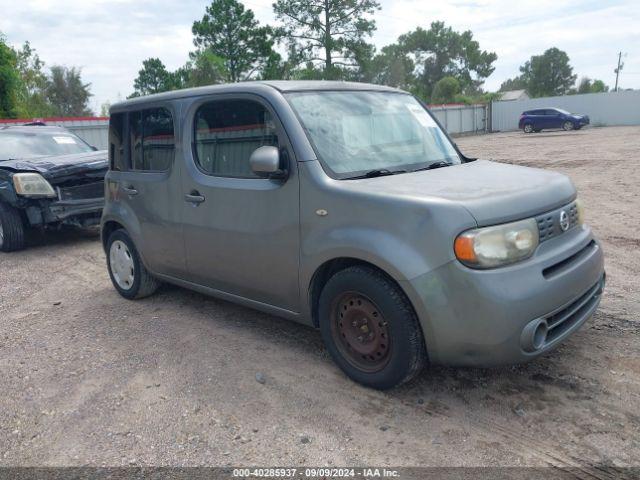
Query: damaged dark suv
point(49, 177)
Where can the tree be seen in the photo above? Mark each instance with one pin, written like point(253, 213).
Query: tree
point(392, 67)
point(548, 74)
point(330, 33)
point(598, 86)
point(442, 52)
point(33, 100)
point(517, 83)
point(104, 109)
point(584, 86)
point(232, 33)
point(66, 93)
point(445, 90)
point(10, 83)
point(203, 68)
point(153, 78)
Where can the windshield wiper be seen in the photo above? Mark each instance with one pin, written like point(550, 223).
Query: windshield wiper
point(379, 172)
point(433, 165)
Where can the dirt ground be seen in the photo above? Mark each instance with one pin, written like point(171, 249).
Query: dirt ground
point(88, 378)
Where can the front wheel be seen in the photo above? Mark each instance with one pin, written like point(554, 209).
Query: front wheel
point(370, 328)
point(12, 231)
point(128, 274)
point(566, 126)
point(528, 128)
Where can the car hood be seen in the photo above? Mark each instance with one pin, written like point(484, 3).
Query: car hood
point(492, 192)
point(62, 166)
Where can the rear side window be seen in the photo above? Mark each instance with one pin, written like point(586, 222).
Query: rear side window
point(151, 140)
point(116, 142)
point(227, 132)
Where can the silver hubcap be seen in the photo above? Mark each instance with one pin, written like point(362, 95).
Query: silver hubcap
point(1, 234)
point(121, 263)
point(568, 126)
point(528, 128)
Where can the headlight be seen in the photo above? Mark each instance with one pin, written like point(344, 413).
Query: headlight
point(32, 185)
point(496, 246)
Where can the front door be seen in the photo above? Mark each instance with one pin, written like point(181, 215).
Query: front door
point(553, 119)
point(241, 231)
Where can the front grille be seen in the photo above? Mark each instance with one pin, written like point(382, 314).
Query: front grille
point(562, 320)
point(81, 192)
point(562, 265)
point(549, 223)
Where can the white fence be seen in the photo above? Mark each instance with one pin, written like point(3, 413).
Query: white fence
point(462, 119)
point(604, 109)
point(93, 130)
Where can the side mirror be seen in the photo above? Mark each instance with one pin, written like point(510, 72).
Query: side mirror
point(265, 162)
point(95, 149)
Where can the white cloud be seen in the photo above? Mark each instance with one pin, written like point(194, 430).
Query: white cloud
point(109, 39)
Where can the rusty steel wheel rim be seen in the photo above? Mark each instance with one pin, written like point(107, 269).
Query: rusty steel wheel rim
point(360, 332)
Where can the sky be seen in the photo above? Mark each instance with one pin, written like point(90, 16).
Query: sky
point(109, 39)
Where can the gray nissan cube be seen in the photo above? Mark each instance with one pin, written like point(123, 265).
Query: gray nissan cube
point(348, 208)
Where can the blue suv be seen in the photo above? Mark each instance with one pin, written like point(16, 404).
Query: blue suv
point(549, 118)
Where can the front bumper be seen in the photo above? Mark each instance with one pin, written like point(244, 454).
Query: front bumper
point(85, 212)
point(487, 317)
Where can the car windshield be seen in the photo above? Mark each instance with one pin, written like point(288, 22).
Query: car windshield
point(22, 145)
point(563, 111)
point(359, 132)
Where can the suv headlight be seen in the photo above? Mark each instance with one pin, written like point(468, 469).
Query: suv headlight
point(32, 185)
point(497, 246)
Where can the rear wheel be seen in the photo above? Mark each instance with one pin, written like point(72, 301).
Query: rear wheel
point(12, 232)
point(128, 274)
point(528, 128)
point(370, 328)
point(566, 126)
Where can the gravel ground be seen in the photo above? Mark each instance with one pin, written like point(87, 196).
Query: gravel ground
point(88, 378)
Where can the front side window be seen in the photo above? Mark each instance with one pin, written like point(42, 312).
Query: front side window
point(226, 134)
point(151, 140)
point(359, 132)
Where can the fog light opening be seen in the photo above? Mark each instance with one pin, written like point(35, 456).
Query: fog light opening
point(534, 335)
point(539, 335)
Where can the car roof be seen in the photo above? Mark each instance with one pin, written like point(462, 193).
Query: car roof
point(256, 87)
point(42, 129)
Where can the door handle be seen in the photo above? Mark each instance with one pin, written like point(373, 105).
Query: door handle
point(130, 191)
point(195, 198)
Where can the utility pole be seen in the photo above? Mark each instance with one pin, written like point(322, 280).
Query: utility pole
point(620, 65)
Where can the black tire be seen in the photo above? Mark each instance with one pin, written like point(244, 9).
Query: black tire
point(405, 353)
point(12, 231)
point(143, 284)
point(528, 128)
point(537, 130)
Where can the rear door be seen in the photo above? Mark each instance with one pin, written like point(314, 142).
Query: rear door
point(146, 180)
point(241, 231)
